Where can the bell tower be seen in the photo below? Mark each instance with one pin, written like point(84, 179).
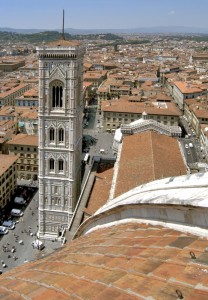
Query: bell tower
point(60, 133)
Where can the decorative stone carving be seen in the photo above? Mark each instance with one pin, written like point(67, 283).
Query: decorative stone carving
point(57, 74)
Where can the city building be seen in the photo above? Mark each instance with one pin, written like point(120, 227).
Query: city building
point(11, 65)
point(127, 110)
point(7, 129)
point(185, 90)
point(26, 147)
point(29, 98)
point(8, 178)
point(8, 97)
point(28, 121)
point(95, 77)
point(60, 134)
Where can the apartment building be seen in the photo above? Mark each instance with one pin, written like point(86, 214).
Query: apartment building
point(25, 118)
point(96, 77)
point(196, 113)
point(7, 129)
point(8, 178)
point(26, 147)
point(122, 111)
point(8, 97)
point(184, 90)
point(29, 98)
point(28, 121)
point(11, 65)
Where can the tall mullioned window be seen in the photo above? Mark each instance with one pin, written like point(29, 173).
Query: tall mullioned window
point(52, 134)
point(61, 135)
point(51, 164)
point(61, 165)
point(57, 94)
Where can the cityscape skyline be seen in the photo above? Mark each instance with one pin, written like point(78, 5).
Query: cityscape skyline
point(108, 14)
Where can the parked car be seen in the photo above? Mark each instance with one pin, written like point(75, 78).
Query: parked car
point(19, 200)
point(186, 146)
point(3, 230)
point(16, 212)
point(191, 145)
point(9, 224)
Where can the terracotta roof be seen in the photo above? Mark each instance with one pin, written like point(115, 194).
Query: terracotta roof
point(125, 106)
point(24, 139)
point(146, 157)
point(101, 189)
point(125, 262)
point(18, 111)
point(187, 88)
point(13, 90)
point(6, 161)
point(63, 43)
point(31, 93)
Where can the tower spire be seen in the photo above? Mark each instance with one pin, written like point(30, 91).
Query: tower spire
point(63, 36)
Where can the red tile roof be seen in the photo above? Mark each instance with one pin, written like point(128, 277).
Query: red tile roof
point(126, 261)
point(6, 161)
point(123, 105)
point(146, 157)
point(24, 139)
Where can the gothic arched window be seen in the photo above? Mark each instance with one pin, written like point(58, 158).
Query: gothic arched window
point(61, 165)
point(57, 94)
point(61, 135)
point(52, 135)
point(51, 164)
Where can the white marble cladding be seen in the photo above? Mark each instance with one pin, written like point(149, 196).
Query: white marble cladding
point(177, 202)
point(60, 136)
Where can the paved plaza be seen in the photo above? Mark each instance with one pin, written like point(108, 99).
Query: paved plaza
point(25, 230)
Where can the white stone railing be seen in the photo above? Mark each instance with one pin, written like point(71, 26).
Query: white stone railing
point(151, 125)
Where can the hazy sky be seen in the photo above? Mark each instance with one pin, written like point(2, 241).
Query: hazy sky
point(103, 14)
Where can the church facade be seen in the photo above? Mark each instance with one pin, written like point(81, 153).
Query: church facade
point(60, 134)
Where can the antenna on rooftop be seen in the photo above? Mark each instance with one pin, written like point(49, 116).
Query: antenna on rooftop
point(63, 36)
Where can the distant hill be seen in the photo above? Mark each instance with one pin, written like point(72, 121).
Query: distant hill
point(48, 36)
point(147, 30)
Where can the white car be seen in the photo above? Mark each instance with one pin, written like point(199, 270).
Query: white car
point(16, 212)
point(186, 146)
point(19, 200)
point(191, 145)
point(9, 224)
point(3, 230)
